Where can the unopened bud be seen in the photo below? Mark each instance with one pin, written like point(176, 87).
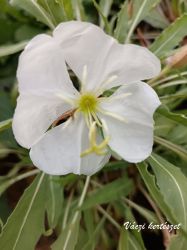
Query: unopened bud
point(179, 59)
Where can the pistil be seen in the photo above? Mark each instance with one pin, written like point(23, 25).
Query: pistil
point(98, 149)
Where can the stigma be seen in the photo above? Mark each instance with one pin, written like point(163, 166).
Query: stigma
point(88, 103)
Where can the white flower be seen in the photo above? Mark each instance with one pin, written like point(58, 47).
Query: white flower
point(95, 123)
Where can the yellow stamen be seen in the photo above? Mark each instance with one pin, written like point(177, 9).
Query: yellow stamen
point(99, 149)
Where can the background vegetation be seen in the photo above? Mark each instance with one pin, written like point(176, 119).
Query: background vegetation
point(49, 214)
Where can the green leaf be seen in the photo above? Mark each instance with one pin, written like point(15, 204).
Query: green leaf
point(181, 151)
point(5, 124)
point(7, 182)
point(179, 135)
point(123, 240)
point(122, 24)
point(69, 236)
point(55, 9)
point(144, 212)
point(181, 94)
point(157, 19)
point(105, 6)
point(128, 242)
point(6, 8)
point(78, 9)
point(170, 37)
point(92, 240)
point(133, 243)
point(179, 118)
point(35, 9)
point(150, 182)
point(6, 112)
point(115, 165)
point(178, 242)
point(68, 8)
point(54, 201)
point(89, 221)
point(103, 17)
point(129, 216)
point(12, 49)
point(26, 224)
point(140, 11)
point(5, 152)
point(109, 192)
point(173, 186)
point(6, 109)
point(26, 32)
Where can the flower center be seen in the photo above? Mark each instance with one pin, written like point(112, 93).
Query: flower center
point(88, 103)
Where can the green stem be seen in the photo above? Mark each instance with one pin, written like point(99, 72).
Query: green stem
point(66, 213)
point(107, 215)
point(170, 145)
point(154, 82)
point(75, 217)
point(165, 232)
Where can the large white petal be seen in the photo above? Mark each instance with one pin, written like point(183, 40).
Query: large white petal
point(58, 151)
point(34, 114)
point(42, 67)
point(86, 44)
point(44, 84)
point(133, 139)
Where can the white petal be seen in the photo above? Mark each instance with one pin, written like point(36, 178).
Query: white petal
point(58, 151)
point(86, 44)
point(132, 140)
point(42, 66)
point(33, 116)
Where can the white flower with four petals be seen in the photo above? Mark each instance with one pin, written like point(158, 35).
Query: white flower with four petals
point(95, 124)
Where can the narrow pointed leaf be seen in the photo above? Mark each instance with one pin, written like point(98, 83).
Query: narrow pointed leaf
point(102, 16)
point(181, 151)
point(68, 238)
point(150, 182)
point(54, 201)
point(6, 50)
point(35, 9)
point(26, 224)
point(123, 240)
point(78, 9)
point(140, 10)
point(5, 124)
point(157, 18)
point(178, 242)
point(179, 118)
point(109, 192)
point(122, 24)
point(128, 241)
point(105, 6)
point(173, 186)
point(170, 37)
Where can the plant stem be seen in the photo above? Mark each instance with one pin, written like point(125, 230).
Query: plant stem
point(84, 191)
point(172, 146)
point(75, 217)
point(66, 213)
point(107, 215)
point(165, 232)
point(154, 82)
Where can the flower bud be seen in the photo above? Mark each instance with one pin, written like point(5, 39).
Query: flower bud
point(179, 59)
